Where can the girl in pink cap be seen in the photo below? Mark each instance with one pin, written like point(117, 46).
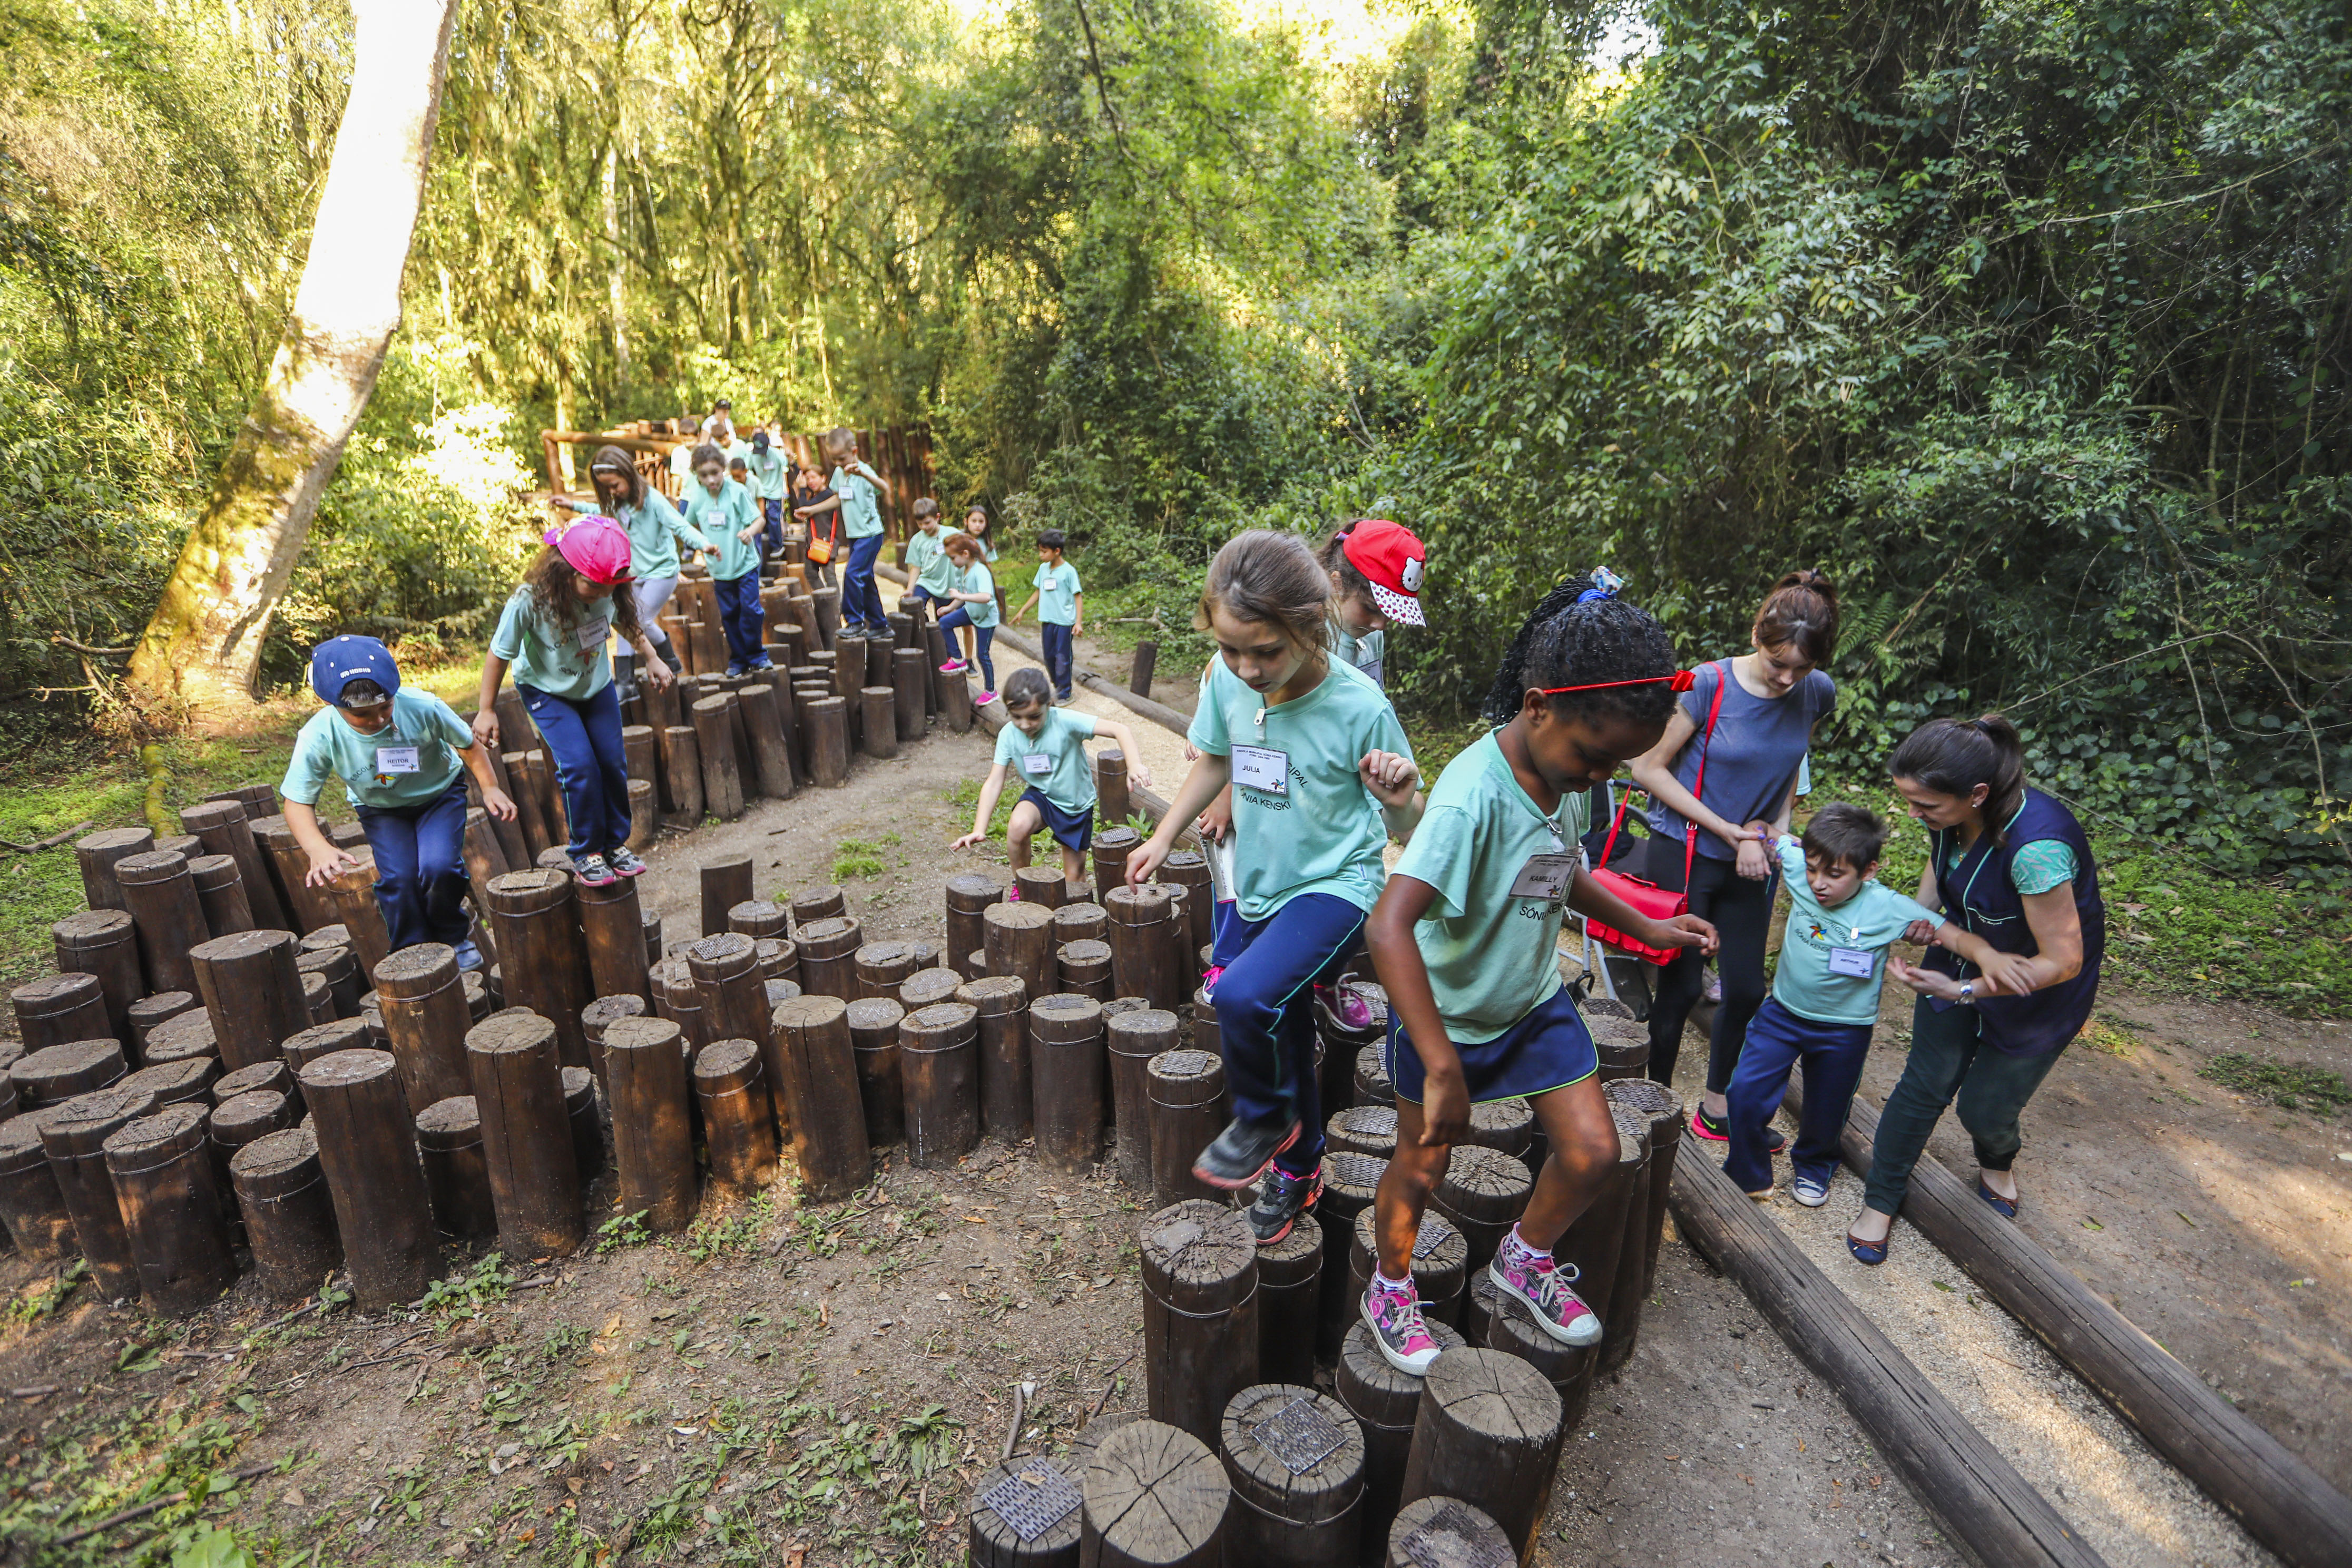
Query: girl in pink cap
point(553, 632)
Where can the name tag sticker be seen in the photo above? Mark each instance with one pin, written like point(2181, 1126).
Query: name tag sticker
point(1037, 764)
point(1262, 769)
point(1854, 963)
point(395, 759)
point(1545, 877)
point(591, 633)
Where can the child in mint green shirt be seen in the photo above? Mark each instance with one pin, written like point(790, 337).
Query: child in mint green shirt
point(930, 575)
point(1061, 609)
point(722, 508)
point(1044, 747)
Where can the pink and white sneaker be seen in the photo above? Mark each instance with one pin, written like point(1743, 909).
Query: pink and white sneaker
point(1393, 1314)
point(1209, 981)
point(953, 667)
point(1347, 1005)
point(1013, 894)
point(1540, 1284)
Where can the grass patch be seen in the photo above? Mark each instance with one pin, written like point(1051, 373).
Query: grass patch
point(2104, 1034)
point(2291, 1085)
point(965, 793)
point(857, 857)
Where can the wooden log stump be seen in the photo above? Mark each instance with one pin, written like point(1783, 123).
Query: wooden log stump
point(724, 883)
point(290, 1217)
point(910, 692)
point(828, 615)
point(1111, 848)
point(1445, 1533)
point(1372, 1085)
point(103, 945)
point(780, 965)
point(722, 781)
point(970, 896)
point(518, 1078)
point(1289, 1304)
point(340, 970)
point(939, 1063)
point(652, 1138)
point(613, 930)
point(828, 950)
point(1200, 1313)
point(321, 1041)
point(224, 828)
point(1111, 800)
point(1040, 1524)
point(882, 967)
point(1065, 1072)
point(530, 804)
point(812, 904)
point(367, 1147)
point(758, 917)
point(644, 815)
point(738, 1120)
point(422, 999)
point(544, 955)
point(1007, 1080)
point(682, 774)
point(75, 1135)
point(878, 728)
point(174, 1083)
point(220, 893)
point(828, 1121)
point(58, 1009)
point(1483, 1194)
point(99, 853)
point(189, 1035)
point(874, 1040)
point(1594, 1243)
point(1131, 1039)
point(1041, 885)
point(827, 723)
point(1084, 969)
point(1367, 1130)
point(1488, 1432)
point(879, 652)
point(32, 1206)
point(1155, 1497)
point(173, 1209)
point(677, 998)
point(1084, 920)
point(289, 864)
point(1019, 941)
point(1295, 1461)
point(1139, 674)
point(641, 743)
point(1621, 1313)
point(1186, 1092)
point(272, 1077)
point(587, 1123)
point(1441, 1265)
point(456, 1170)
point(765, 710)
point(1189, 870)
point(1141, 954)
point(926, 986)
point(1503, 1125)
point(1496, 1321)
point(349, 900)
point(161, 897)
point(55, 1074)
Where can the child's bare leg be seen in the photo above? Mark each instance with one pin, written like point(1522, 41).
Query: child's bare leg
point(1583, 1147)
point(1074, 865)
point(1411, 1177)
point(1018, 828)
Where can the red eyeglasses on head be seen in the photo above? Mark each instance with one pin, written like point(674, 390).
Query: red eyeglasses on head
point(1680, 680)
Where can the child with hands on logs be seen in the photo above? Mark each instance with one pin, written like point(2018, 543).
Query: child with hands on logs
point(399, 753)
point(1045, 745)
point(1322, 776)
point(1465, 940)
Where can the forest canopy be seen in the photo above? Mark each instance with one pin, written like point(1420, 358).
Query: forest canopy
point(2028, 322)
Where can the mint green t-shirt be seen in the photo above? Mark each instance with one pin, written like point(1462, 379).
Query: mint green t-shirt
point(1303, 820)
point(1053, 763)
point(927, 566)
point(1367, 653)
point(766, 473)
point(1057, 593)
point(1819, 943)
point(409, 762)
point(861, 517)
point(978, 580)
point(567, 662)
point(655, 531)
point(1492, 958)
point(2036, 867)
point(720, 517)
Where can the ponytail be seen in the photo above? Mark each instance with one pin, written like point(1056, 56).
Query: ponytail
point(1597, 642)
point(1953, 756)
point(1800, 613)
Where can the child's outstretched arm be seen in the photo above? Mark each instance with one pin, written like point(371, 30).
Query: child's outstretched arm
point(1396, 958)
point(1590, 898)
point(989, 793)
point(486, 718)
point(1202, 784)
point(1112, 730)
point(1023, 610)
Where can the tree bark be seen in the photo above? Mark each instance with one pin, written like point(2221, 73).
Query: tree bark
point(200, 651)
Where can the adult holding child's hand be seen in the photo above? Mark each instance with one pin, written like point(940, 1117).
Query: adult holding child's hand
point(2010, 865)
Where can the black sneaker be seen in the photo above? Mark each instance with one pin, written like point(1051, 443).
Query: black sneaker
point(1281, 1199)
point(1241, 1152)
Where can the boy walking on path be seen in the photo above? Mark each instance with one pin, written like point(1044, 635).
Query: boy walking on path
point(1061, 608)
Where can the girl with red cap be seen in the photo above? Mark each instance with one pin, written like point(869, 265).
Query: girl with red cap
point(553, 633)
point(1376, 570)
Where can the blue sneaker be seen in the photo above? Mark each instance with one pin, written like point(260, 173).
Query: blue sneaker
point(469, 955)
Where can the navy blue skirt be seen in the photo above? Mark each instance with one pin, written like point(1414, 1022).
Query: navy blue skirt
point(1071, 829)
point(1549, 1049)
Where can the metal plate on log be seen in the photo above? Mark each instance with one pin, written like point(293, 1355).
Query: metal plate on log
point(1033, 1500)
point(1450, 1539)
point(1298, 1435)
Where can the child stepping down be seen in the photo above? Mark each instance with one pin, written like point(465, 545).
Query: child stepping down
point(1322, 774)
point(1465, 938)
point(1045, 745)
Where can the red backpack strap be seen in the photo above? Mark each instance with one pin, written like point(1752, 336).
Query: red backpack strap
point(1707, 743)
point(1615, 823)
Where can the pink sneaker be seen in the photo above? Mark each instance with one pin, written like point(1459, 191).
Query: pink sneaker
point(1393, 1314)
point(1209, 981)
point(953, 667)
point(1013, 894)
point(1353, 1012)
point(1541, 1287)
point(983, 700)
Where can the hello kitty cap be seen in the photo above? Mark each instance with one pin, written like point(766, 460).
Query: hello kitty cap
point(1392, 558)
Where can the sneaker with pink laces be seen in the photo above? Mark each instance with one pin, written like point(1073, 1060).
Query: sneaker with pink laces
point(1013, 894)
point(1393, 1314)
point(1352, 1010)
point(1209, 981)
point(1541, 1286)
point(953, 667)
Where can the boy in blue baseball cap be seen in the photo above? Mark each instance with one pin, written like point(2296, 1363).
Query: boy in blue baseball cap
point(398, 754)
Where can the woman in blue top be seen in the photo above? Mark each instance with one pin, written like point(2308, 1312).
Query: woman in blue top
point(2009, 864)
point(1774, 696)
point(659, 542)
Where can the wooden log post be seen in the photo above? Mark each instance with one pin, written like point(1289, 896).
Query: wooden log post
point(289, 864)
point(724, 883)
point(766, 710)
point(1112, 803)
point(32, 1206)
point(1372, 1085)
point(682, 774)
point(349, 899)
point(1189, 870)
point(828, 743)
point(587, 1123)
point(1621, 1316)
point(1444, 1530)
point(939, 1063)
point(1440, 1264)
point(189, 1035)
point(925, 986)
point(1085, 920)
point(162, 1170)
point(679, 998)
point(612, 929)
point(518, 1080)
point(224, 829)
point(1140, 951)
point(827, 602)
point(1290, 1303)
point(99, 853)
point(1488, 1432)
point(653, 1140)
point(1296, 1459)
point(1367, 1130)
point(1019, 941)
point(290, 1217)
point(1186, 1093)
point(722, 782)
point(543, 955)
point(238, 1120)
point(645, 816)
point(1065, 1073)
point(882, 967)
point(878, 654)
point(104, 945)
point(911, 688)
point(1967, 1483)
point(1111, 848)
point(877, 724)
point(737, 1122)
point(828, 1121)
point(324, 1039)
point(58, 1009)
point(367, 1147)
point(531, 808)
point(174, 1083)
point(1200, 1313)
point(1131, 1039)
point(1483, 1194)
point(456, 1170)
point(1504, 1125)
point(423, 1003)
point(1084, 969)
point(1498, 1323)
point(641, 743)
point(758, 918)
point(162, 898)
point(874, 1041)
point(1594, 1242)
point(1041, 885)
point(969, 894)
point(1040, 1526)
point(829, 957)
point(55, 1074)
point(1138, 675)
point(220, 892)
point(1154, 1497)
point(812, 904)
point(1007, 1081)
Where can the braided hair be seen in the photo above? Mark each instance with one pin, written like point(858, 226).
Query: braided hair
point(1565, 643)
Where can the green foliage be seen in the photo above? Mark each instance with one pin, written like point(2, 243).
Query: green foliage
point(857, 857)
point(465, 1295)
point(46, 1295)
point(2292, 1086)
point(622, 1230)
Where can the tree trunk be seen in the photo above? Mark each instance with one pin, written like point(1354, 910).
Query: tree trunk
point(199, 653)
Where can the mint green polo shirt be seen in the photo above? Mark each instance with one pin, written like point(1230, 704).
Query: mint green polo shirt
point(861, 515)
point(720, 517)
point(978, 580)
point(566, 661)
point(1054, 762)
point(1492, 958)
point(409, 762)
point(655, 531)
point(1367, 653)
point(766, 473)
point(1833, 961)
point(1057, 593)
point(927, 565)
point(1303, 820)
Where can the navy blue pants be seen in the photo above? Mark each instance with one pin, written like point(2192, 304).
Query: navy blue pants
point(738, 611)
point(981, 636)
point(1056, 638)
point(772, 509)
point(861, 601)
point(420, 867)
point(1265, 1020)
point(1778, 1041)
point(584, 739)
